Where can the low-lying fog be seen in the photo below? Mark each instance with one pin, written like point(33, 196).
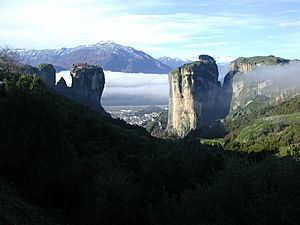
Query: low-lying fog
point(130, 88)
point(285, 76)
point(133, 88)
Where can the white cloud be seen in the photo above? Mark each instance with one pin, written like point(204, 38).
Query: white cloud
point(174, 32)
point(289, 23)
point(54, 24)
point(287, 11)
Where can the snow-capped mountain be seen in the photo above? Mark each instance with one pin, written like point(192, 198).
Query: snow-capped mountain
point(173, 62)
point(222, 63)
point(109, 55)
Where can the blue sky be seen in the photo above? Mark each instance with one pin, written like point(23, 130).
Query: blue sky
point(159, 27)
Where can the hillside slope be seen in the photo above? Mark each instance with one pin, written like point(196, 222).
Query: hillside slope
point(273, 128)
point(93, 169)
point(17, 210)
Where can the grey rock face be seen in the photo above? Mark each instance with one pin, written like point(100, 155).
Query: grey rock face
point(87, 83)
point(194, 89)
point(197, 99)
point(45, 72)
point(61, 84)
point(258, 81)
point(245, 65)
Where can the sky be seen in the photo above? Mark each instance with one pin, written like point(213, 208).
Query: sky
point(184, 29)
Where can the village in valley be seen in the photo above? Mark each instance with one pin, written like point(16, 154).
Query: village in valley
point(135, 115)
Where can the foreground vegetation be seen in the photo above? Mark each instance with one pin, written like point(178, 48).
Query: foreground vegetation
point(95, 170)
point(273, 128)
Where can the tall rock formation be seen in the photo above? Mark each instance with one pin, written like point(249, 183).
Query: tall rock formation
point(197, 99)
point(259, 81)
point(87, 85)
point(46, 72)
point(245, 65)
point(194, 89)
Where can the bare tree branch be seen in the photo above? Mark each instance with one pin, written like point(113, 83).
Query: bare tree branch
point(9, 61)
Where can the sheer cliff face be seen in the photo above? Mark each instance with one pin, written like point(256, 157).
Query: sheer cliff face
point(197, 100)
point(87, 83)
point(257, 82)
point(193, 95)
point(87, 86)
point(45, 72)
point(245, 65)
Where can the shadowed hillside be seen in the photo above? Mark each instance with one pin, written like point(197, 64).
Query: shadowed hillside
point(71, 166)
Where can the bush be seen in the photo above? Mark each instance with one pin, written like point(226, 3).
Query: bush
point(245, 193)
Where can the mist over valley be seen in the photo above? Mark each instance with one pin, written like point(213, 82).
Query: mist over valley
point(128, 89)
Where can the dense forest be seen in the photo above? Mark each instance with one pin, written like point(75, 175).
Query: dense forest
point(87, 169)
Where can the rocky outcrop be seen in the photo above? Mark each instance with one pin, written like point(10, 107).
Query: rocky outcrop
point(245, 65)
point(87, 85)
point(197, 99)
point(259, 81)
point(45, 72)
point(194, 89)
point(61, 84)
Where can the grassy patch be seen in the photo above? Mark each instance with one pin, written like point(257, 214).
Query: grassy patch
point(212, 142)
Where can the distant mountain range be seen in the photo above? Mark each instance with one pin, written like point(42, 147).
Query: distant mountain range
point(109, 55)
point(173, 62)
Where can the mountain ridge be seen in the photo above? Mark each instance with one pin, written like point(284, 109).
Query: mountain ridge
point(110, 55)
point(173, 62)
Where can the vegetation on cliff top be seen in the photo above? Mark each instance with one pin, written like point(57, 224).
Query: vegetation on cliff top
point(206, 58)
point(203, 60)
point(199, 68)
point(195, 64)
point(265, 60)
